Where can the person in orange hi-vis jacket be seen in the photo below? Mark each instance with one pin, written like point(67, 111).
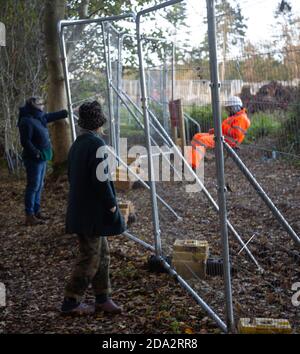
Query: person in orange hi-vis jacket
point(234, 129)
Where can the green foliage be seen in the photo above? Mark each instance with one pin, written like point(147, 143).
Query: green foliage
point(91, 86)
point(203, 115)
point(89, 40)
point(175, 326)
point(129, 128)
point(290, 132)
point(263, 125)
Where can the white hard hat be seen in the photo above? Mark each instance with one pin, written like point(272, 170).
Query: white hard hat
point(233, 101)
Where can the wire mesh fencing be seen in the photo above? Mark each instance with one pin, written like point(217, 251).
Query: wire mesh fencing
point(267, 83)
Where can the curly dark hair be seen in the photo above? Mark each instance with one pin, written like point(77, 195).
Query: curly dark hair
point(91, 116)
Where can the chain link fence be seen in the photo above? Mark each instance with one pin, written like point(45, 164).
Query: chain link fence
point(268, 84)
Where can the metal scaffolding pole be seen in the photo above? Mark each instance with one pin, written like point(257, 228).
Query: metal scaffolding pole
point(260, 191)
point(60, 27)
point(144, 99)
point(142, 126)
point(106, 52)
point(67, 80)
point(119, 86)
point(205, 191)
point(139, 241)
point(144, 184)
point(196, 297)
point(216, 110)
point(164, 94)
point(118, 93)
point(67, 23)
point(173, 71)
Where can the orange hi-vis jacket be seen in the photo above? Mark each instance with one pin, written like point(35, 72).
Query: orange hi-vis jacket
point(234, 129)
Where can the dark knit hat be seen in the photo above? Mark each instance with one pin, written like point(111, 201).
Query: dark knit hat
point(91, 116)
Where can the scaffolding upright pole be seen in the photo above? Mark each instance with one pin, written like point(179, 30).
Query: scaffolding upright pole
point(119, 85)
point(144, 100)
point(109, 92)
point(215, 95)
point(164, 94)
point(173, 68)
point(67, 81)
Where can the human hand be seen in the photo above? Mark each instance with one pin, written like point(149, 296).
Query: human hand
point(113, 209)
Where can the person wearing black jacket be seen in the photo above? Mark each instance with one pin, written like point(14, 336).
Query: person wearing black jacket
point(92, 214)
point(37, 150)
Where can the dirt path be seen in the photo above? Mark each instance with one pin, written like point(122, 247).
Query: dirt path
point(35, 262)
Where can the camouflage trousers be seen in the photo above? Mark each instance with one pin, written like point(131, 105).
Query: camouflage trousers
point(92, 267)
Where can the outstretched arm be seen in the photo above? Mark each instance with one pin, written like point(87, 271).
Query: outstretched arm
point(52, 117)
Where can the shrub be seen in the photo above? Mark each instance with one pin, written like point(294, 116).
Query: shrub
point(289, 138)
point(263, 125)
point(203, 115)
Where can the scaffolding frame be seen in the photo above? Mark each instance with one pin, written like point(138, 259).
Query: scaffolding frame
point(161, 130)
point(149, 118)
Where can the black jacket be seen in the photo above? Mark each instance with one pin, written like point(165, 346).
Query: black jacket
point(34, 134)
point(90, 200)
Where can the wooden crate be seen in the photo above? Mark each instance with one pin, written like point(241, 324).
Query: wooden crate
point(126, 208)
point(122, 176)
point(264, 326)
point(192, 250)
point(189, 258)
point(190, 269)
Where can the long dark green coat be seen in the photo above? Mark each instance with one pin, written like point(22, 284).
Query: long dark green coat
point(90, 200)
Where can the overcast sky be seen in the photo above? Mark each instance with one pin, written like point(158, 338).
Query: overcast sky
point(260, 14)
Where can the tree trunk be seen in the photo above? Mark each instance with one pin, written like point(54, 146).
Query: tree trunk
point(56, 98)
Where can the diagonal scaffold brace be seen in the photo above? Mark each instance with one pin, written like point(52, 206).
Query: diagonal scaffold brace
point(263, 195)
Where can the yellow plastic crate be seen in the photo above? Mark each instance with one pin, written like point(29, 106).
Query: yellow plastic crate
point(264, 326)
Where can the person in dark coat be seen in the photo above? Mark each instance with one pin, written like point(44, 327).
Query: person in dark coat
point(92, 214)
point(37, 150)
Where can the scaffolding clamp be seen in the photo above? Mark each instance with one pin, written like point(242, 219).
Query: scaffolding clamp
point(212, 85)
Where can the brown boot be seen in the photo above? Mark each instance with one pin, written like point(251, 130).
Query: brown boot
point(80, 309)
point(31, 220)
point(108, 306)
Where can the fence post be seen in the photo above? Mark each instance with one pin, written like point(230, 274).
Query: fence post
point(106, 53)
point(164, 95)
point(215, 93)
point(67, 80)
point(145, 107)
